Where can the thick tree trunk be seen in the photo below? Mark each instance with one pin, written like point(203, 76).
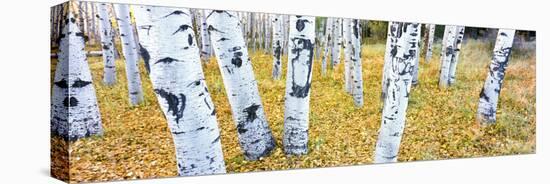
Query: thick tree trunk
point(448, 53)
point(298, 85)
point(456, 54)
point(390, 42)
point(404, 45)
point(181, 90)
point(129, 49)
point(277, 46)
point(488, 98)
point(148, 44)
point(242, 89)
point(356, 63)
point(74, 110)
point(429, 47)
point(107, 45)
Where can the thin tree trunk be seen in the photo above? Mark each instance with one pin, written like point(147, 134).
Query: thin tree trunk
point(347, 54)
point(130, 52)
point(430, 42)
point(456, 54)
point(277, 47)
point(328, 31)
point(298, 85)
point(488, 98)
point(74, 110)
point(181, 90)
point(254, 134)
point(206, 47)
point(107, 45)
point(404, 47)
point(356, 63)
point(447, 56)
point(417, 58)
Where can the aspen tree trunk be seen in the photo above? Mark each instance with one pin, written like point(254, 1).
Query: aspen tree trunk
point(347, 54)
point(336, 42)
point(447, 55)
point(429, 47)
point(144, 26)
point(206, 47)
point(107, 45)
point(417, 58)
point(328, 31)
point(404, 45)
point(298, 85)
point(356, 63)
point(390, 44)
point(74, 110)
point(456, 53)
point(488, 98)
point(130, 52)
point(231, 52)
point(277, 46)
point(181, 90)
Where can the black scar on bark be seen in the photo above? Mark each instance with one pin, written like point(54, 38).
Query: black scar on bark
point(240, 128)
point(176, 102)
point(177, 12)
point(80, 34)
point(70, 102)
point(237, 60)
point(73, 20)
point(190, 39)
point(79, 83)
point(301, 23)
point(223, 39)
point(106, 47)
point(216, 140)
point(356, 28)
point(182, 28)
point(483, 96)
point(277, 52)
point(146, 57)
point(251, 112)
point(62, 84)
point(297, 90)
point(211, 28)
point(167, 60)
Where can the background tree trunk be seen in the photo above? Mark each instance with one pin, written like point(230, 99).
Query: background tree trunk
point(277, 41)
point(488, 98)
point(107, 45)
point(129, 50)
point(327, 45)
point(429, 47)
point(206, 50)
point(347, 54)
point(456, 54)
point(242, 89)
point(404, 47)
point(448, 52)
point(181, 90)
point(298, 85)
point(74, 110)
point(417, 58)
point(356, 63)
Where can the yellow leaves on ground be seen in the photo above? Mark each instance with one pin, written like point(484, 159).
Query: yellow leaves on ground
point(440, 122)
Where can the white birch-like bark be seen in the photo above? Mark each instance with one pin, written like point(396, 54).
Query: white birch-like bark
point(107, 45)
point(356, 63)
point(447, 55)
point(206, 50)
point(130, 52)
point(337, 44)
point(144, 25)
point(327, 45)
point(347, 54)
point(417, 58)
point(456, 54)
point(74, 110)
point(254, 134)
point(488, 98)
point(277, 46)
point(298, 84)
point(429, 48)
point(401, 57)
point(181, 90)
point(387, 62)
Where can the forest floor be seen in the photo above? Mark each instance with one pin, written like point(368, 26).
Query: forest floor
point(440, 122)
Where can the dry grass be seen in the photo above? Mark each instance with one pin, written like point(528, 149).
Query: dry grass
point(440, 123)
